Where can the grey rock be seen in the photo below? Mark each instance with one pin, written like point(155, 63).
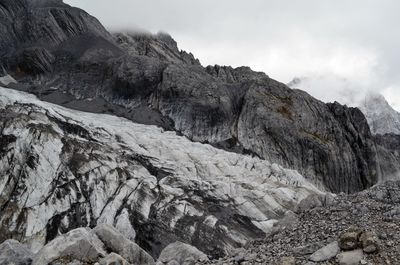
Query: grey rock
point(326, 253)
point(13, 252)
point(161, 46)
point(370, 242)
point(349, 240)
point(79, 244)
point(353, 257)
point(307, 249)
point(287, 261)
point(309, 203)
point(113, 259)
point(182, 253)
point(116, 242)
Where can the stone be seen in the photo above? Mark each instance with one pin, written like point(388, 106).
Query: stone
point(369, 242)
point(287, 261)
point(353, 257)
point(79, 244)
point(349, 240)
point(309, 203)
point(307, 249)
point(326, 253)
point(13, 252)
point(113, 259)
point(182, 253)
point(117, 243)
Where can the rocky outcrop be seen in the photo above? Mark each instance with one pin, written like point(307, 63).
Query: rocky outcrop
point(62, 169)
point(161, 46)
point(147, 79)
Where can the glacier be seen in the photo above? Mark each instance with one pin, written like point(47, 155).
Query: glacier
point(62, 169)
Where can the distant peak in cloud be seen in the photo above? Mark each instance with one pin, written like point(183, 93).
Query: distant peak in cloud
point(329, 88)
point(382, 118)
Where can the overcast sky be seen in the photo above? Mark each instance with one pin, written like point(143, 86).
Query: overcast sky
point(344, 48)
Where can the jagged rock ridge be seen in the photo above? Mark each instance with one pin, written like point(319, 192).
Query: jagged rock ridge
point(148, 80)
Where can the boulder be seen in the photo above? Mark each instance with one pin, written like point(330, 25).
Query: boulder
point(116, 242)
point(369, 242)
point(326, 253)
point(310, 202)
point(181, 253)
point(287, 261)
point(307, 249)
point(350, 257)
point(113, 259)
point(79, 245)
point(13, 252)
point(349, 239)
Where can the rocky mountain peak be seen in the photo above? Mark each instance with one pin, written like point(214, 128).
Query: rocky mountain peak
point(161, 46)
point(381, 117)
point(376, 102)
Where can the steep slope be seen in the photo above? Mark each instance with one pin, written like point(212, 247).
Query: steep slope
point(382, 118)
point(62, 169)
point(147, 79)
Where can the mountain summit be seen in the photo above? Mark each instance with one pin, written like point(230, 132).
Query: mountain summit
point(381, 117)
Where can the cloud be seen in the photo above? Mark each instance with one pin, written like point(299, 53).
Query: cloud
point(355, 41)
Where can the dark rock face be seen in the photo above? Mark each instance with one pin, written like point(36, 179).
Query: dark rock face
point(45, 27)
point(148, 80)
point(388, 147)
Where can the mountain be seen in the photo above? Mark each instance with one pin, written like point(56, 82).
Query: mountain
point(65, 56)
point(129, 131)
point(63, 169)
point(381, 117)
